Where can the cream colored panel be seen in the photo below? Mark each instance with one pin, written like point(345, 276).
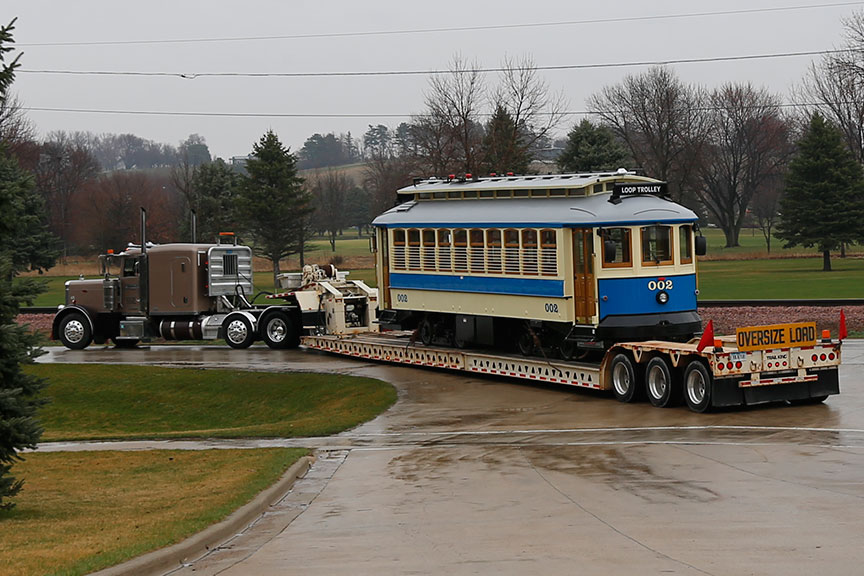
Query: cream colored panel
point(507, 306)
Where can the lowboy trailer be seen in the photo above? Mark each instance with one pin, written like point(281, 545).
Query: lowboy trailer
point(715, 376)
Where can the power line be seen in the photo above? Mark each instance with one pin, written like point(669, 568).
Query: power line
point(329, 115)
point(194, 75)
point(437, 30)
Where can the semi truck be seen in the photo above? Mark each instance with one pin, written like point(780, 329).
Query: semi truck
point(198, 291)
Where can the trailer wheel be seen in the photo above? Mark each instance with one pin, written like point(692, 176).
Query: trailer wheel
point(660, 385)
point(238, 331)
point(624, 381)
point(75, 332)
point(697, 386)
point(278, 331)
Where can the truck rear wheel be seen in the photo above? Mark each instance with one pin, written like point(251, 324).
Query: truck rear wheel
point(697, 386)
point(278, 331)
point(238, 331)
point(660, 384)
point(625, 385)
point(75, 332)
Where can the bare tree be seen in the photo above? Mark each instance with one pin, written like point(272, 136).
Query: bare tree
point(766, 206)
point(834, 87)
point(15, 128)
point(662, 122)
point(64, 166)
point(748, 145)
point(330, 188)
point(454, 104)
point(388, 167)
point(525, 111)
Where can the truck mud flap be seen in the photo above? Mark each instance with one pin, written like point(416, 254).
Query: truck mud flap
point(727, 392)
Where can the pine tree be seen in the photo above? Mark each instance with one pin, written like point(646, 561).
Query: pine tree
point(591, 148)
point(273, 204)
point(24, 244)
point(823, 204)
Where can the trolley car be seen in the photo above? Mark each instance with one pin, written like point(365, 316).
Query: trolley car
point(566, 263)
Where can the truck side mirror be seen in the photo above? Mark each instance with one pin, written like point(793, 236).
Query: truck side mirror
point(701, 245)
point(609, 250)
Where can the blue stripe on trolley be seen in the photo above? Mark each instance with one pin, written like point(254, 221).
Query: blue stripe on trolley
point(478, 284)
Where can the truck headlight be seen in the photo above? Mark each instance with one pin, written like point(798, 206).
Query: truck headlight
point(662, 297)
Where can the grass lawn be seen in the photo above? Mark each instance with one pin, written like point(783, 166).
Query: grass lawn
point(84, 511)
point(110, 402)
point(752, 245)
point(796, 278)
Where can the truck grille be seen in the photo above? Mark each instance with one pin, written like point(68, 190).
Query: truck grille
point(229, 264)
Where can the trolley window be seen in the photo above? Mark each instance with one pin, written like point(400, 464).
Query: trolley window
point(493, 251)
point(656, 245)
point(685, 244)
point(414, 249)
point(548, 253)
point(445, 254)
point(460, 250)
point(511, 251)
point(529, 252)
point(478, 257)
point(429, 250)
point(621, 238)
point(398, 259)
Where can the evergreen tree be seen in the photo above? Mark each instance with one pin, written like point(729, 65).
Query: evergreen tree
point(24, 244)
point(273, 204)
point(823, 204)
point(214, 189)
point(592, 148)
point(505, 148)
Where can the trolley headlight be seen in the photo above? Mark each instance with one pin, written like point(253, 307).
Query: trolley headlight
point(662, 297)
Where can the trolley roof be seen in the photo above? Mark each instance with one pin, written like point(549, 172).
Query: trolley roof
point(534, 182)
point(568, 212)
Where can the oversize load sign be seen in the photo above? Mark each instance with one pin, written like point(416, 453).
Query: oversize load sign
point(776, 336)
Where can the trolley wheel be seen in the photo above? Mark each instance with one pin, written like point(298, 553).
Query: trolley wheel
point(661, 386)
point(567, 349)
point(525, 343)
point(426, 331)
point(238, 332)
point(808, 401)
point(124, 343)
point(625, 384)
point(278, 331)
point(697, 386)
point(75, 332)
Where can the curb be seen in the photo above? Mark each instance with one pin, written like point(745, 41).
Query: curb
point(175, 556)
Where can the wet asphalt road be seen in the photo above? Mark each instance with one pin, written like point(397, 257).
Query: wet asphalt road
point(468, 475)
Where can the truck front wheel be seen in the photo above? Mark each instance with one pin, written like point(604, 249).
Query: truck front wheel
point(278, 331)
point(697, 386)
point(238, 332)
point(75, 332)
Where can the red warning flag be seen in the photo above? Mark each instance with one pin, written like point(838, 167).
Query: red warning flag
point(707, 337)
point(842, 334)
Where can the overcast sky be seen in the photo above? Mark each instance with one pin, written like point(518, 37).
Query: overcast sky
point(341, 43)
